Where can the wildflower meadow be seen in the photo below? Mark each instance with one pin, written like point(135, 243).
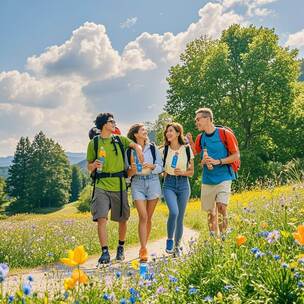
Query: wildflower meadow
point(260, 259)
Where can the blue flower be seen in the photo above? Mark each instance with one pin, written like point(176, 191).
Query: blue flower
point(177, 289)
point(276, 257)
point(259, 254)
point(297, 275)
point(30, 278)
point(26, 288)
point(172, 278)
point(132, 300)
point(66, 295)
point(284, 265)
point(4, 269)
point(192, 291)
point(11, 299)
point(106, 297)
point(300, 284)
point(227, 287)
point(254, 250)
point(208, 299)
point(123, 301)
point(263, 234)
point(118, 274)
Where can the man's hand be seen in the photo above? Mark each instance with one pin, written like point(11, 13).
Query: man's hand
point(214, 162)
point(97, 164)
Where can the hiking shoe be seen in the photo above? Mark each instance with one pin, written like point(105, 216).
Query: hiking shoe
point(120, 253)
point(169, 246)
point(105, 257)
point(178, 251)
point(143, 255)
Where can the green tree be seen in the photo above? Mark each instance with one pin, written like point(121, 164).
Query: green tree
point(2, 191)
point(159, 127)
point(77, 183)
point(50, 173)
point(19, 175)
point(249, 82)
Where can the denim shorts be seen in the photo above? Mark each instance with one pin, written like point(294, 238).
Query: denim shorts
point(145, 187)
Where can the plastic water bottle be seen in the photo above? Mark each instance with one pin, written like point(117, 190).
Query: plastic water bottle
point(138, 164)
point(102, 156)
point(174, 160)
point(205, 155)
point(143, 269)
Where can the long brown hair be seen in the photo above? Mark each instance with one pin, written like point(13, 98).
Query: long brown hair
point(134, 130)
point(179, 129)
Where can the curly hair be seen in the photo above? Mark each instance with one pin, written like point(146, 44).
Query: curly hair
point(102, 119)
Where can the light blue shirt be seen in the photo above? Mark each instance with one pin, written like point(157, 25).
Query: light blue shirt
point(148, 158)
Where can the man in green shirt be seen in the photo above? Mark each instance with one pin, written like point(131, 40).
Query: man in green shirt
point(110, 192)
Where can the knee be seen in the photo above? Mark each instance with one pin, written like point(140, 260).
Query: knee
point(102, 221)
point(221, 208)
point(173, 213)
point(143, 218)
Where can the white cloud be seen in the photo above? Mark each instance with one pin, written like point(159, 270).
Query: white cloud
point(129, 22)
point(296, 40)
point(65, 86)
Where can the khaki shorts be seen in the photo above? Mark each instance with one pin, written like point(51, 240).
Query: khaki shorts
point(104, 200)
point(212, 194)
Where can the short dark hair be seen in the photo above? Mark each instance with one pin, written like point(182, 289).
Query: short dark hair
point(102, 119)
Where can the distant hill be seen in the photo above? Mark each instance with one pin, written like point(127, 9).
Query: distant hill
point(83, 166)
point(74, 158)
point(4, 172)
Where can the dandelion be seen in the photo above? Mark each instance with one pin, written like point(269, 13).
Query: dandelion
point(273, 236)
point(240, 240)
point(299, 235)
point(75, 257)
point(135, 264)
point(69, 283)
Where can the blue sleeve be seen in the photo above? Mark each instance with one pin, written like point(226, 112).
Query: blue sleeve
point(158, 162)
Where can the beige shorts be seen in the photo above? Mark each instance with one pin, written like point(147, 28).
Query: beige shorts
point(212, 194)
point(103, 201)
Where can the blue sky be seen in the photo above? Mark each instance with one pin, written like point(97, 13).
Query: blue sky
point(101, 60)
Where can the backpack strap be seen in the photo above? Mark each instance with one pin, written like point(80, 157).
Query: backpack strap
point(188, 154)
point(202, 143)
point(116, 139)
point(95, 139)
point(152, 148)
point(128, 152)
point(165, 152)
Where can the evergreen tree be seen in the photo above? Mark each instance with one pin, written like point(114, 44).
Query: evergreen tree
point(19, 174)
point(77, 183)
point(2, 191)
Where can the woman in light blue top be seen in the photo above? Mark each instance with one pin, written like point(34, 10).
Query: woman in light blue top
point(145, 186)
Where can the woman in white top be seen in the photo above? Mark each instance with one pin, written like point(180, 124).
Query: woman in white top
point(178, 166)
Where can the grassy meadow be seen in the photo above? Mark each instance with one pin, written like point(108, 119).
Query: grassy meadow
point(259, 261)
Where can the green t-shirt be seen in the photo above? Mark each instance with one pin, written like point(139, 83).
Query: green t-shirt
point(112, 163)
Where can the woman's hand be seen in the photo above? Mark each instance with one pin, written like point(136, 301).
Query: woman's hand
point(179, 172)
point(149, 166)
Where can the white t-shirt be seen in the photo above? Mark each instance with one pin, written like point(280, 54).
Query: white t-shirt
point(181, 161)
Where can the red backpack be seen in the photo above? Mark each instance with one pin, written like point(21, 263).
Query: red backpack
point(228, 139)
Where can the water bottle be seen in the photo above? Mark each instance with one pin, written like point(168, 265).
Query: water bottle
point(174, 160)
point(143, 269)
point(102, 156)
point(138, 164)
point(205, 155)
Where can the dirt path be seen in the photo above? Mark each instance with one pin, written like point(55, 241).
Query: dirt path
point(51, 278)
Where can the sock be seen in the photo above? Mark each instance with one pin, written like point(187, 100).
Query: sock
point(121, 243)
point(103, 248)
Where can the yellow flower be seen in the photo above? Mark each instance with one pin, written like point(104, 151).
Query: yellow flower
point(299, 235)
point(75, 257)
point(79, 276)
point(293, 265)
point(69, 283)
point(240, 240)
point(285, 234)
point(135, 264)
point(264, 225)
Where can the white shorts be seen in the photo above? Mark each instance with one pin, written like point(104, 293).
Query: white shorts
point(212, 194)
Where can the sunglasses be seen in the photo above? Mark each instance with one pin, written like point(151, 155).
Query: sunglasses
point(112, 121)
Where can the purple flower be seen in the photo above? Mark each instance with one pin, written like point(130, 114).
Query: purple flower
point(172, 278)
point(208, 299)
point(160, 290)
point(273, 236)
point(4, 269)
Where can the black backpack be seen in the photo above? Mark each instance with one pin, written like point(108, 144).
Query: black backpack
point(165, 152)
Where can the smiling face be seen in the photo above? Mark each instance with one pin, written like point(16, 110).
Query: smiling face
point(110, 125)
point(171, 134)
point(202, 121)
point(141, 134)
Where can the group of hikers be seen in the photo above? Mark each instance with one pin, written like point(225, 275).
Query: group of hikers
point(113, 158)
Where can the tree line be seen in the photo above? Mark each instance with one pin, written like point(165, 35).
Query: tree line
point(41, 176)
